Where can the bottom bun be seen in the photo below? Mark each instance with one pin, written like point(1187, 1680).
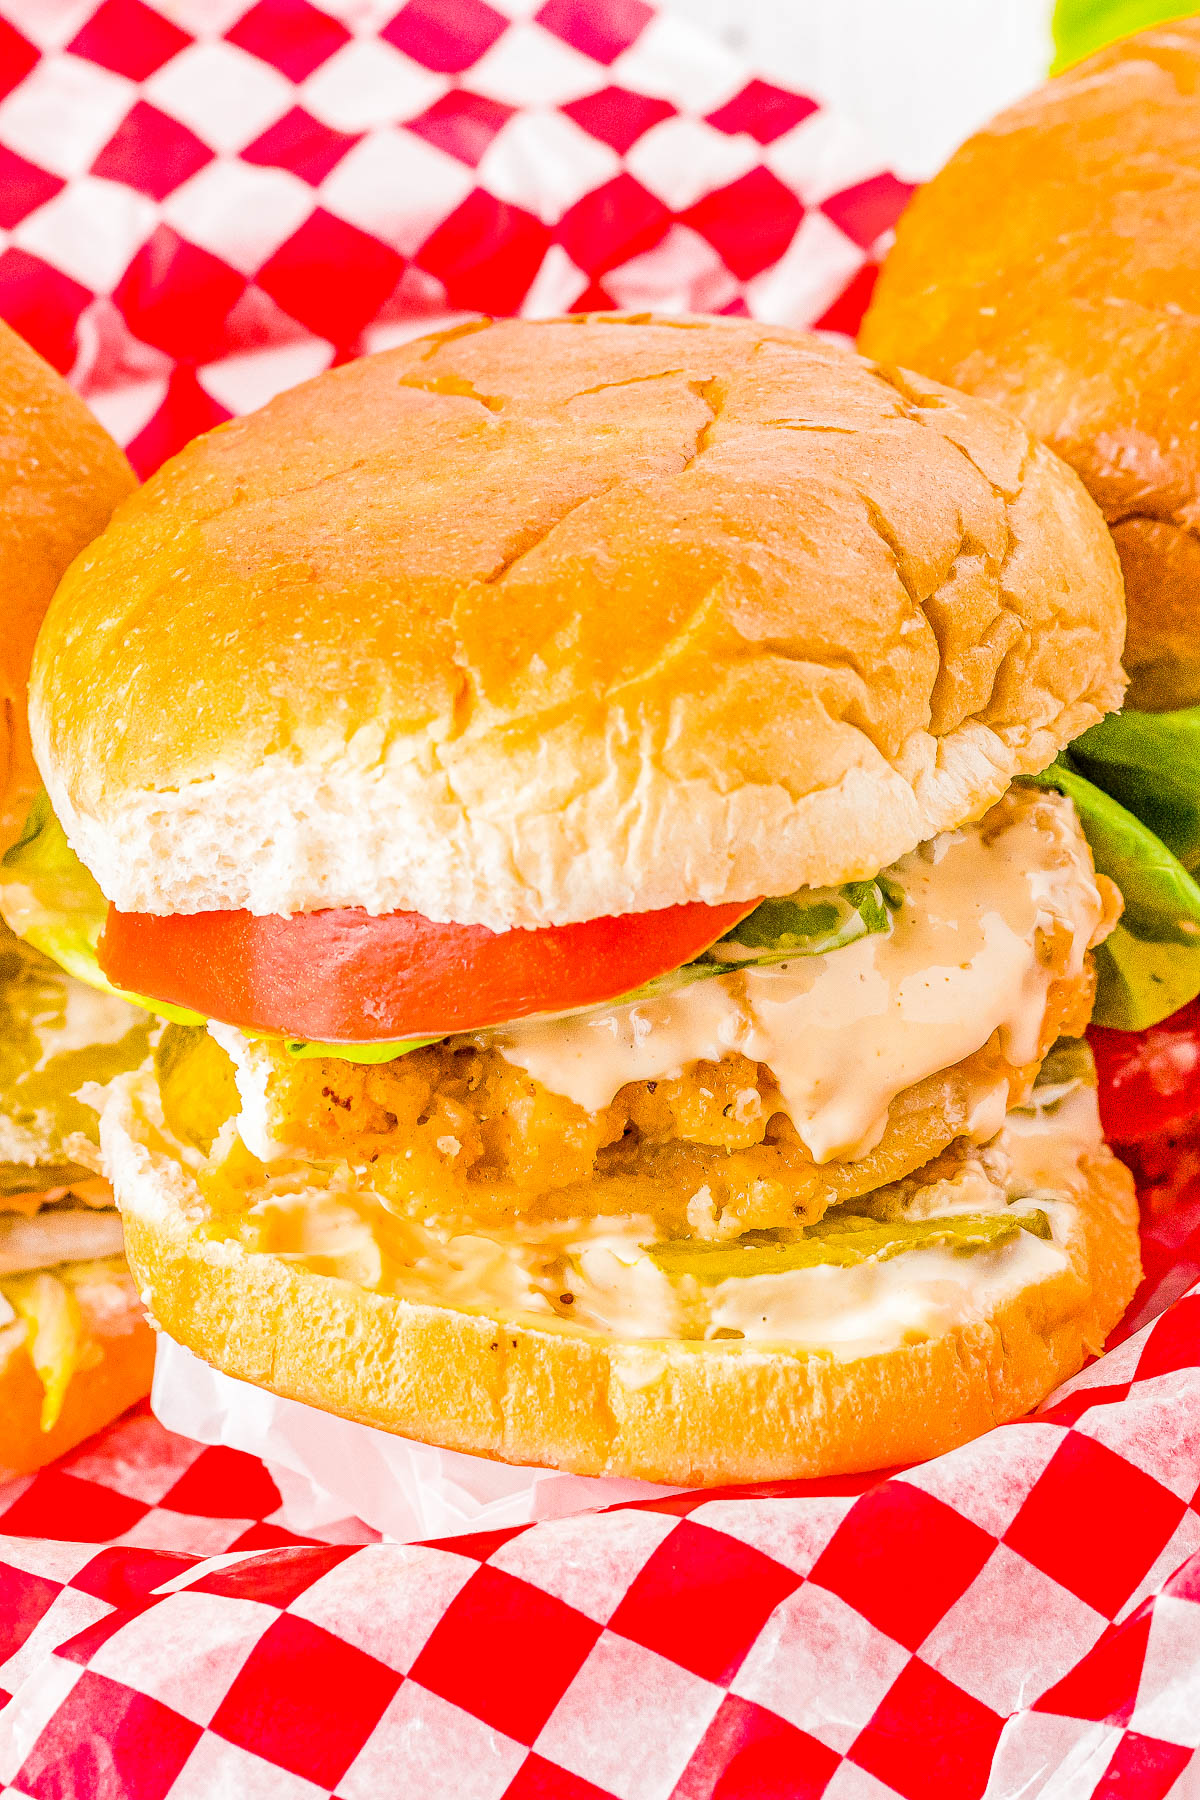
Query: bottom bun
point(693, 1413)
point(95, 1396)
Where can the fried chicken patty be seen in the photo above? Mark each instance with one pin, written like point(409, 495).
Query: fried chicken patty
point(454, 1129)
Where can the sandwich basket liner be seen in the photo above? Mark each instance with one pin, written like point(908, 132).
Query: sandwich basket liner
point(203, 202)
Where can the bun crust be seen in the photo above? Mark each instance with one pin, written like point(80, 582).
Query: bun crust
point(672, 1412)
point(61, 476)
point(528, 623)
point(94, 1398)
point(1078, 309)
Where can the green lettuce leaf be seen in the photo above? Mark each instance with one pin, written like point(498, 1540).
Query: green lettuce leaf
point(843, 1240)
point(806, 923)
point(301, 1050)
point(809, 922)
point(1082, 26)
point(1150, 965)
point(48, 898)
point(1150, 762)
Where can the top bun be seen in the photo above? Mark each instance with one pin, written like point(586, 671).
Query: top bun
point(60, 476)
point(528, 623)
point(1054, 266)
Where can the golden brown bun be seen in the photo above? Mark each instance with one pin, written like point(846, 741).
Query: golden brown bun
point(95, 1396)
point(527, 623)
point(1054, 267)
point(668, 1411)
point(60, 477)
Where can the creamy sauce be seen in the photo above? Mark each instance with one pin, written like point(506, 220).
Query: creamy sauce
point(252, 1065)
point(845, 1032)
point(1039, 1156)
point(616, 1288)
point(880, 1305)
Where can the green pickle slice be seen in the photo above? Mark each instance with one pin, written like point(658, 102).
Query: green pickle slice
point(844, 1241)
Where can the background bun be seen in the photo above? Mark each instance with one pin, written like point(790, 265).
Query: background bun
point(1054, 266)
point(528, 623)
point(60, 477)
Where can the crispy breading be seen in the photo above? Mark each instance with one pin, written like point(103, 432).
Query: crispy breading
point(455, 1129)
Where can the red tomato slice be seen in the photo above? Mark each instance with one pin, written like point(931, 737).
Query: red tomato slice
point(1149, 1080)
point(343, 976)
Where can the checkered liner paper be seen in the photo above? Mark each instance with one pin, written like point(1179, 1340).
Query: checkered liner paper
point(200, 203)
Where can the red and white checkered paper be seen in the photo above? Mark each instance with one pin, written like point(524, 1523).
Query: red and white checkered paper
point(1018, 1618)
point(202, 202)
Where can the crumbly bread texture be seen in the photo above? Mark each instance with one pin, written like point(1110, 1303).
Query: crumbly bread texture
point(686, 1413)
point(1054, 267)
point(118, 1373)
point(61, 476)
point(525, 623)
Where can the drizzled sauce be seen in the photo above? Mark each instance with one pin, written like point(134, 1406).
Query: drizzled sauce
point(844, 1032)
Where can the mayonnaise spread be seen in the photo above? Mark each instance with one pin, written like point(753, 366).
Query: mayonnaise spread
point(599, 1274)
point(252, 1065)
point(846, 1031)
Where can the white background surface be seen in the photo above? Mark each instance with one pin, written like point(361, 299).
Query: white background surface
point(916, 75)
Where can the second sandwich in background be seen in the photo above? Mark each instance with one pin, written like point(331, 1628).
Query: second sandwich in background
point(1053, 266)
point(75, 1349)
